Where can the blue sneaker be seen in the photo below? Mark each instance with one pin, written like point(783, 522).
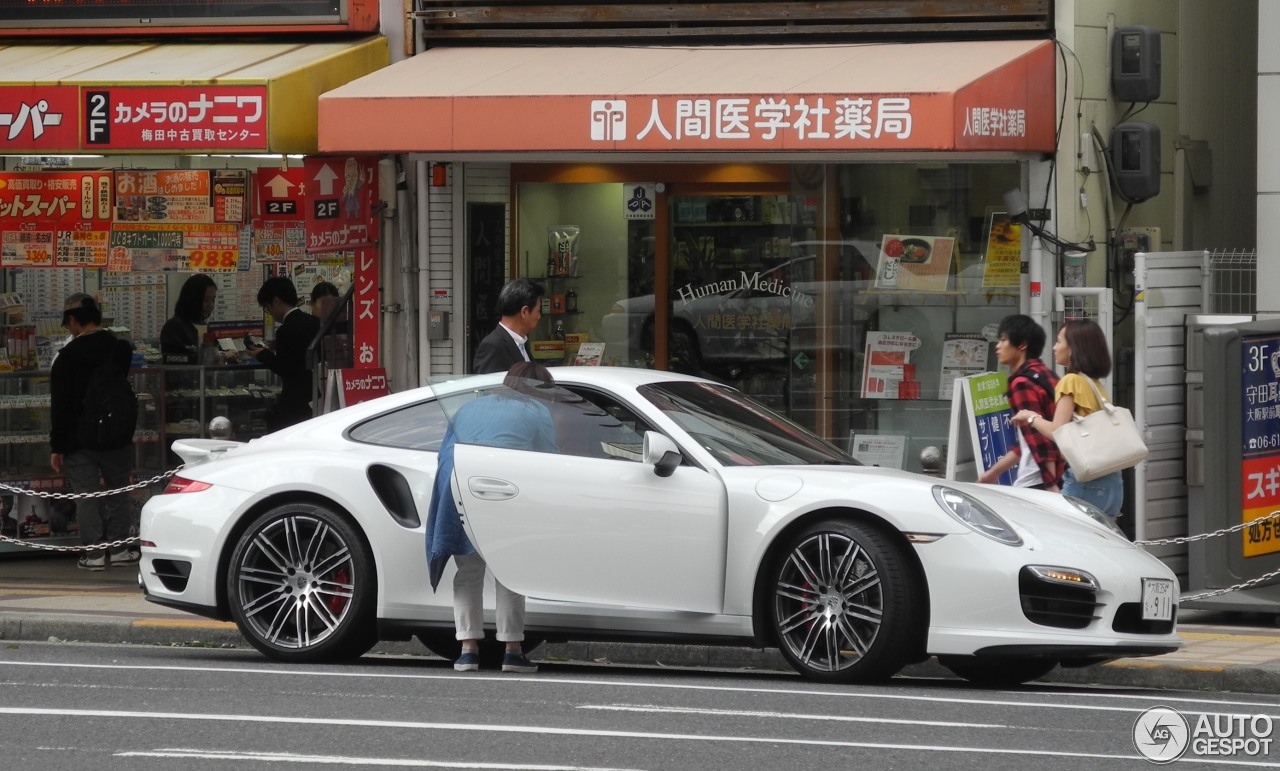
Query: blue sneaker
point(516, 662)
point(467, 662)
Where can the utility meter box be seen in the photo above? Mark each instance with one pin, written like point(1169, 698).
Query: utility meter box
point(1241, 414)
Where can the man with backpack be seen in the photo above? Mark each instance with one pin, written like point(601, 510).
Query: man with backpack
point(93, 414)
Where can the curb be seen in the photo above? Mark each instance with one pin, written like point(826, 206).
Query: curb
point(1126, 673)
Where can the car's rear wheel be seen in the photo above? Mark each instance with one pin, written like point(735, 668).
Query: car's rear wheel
point(998, 673)
point(302, 586)
point(444, 645)
point(845, 603)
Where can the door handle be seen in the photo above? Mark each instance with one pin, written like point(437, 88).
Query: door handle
point(490, 489)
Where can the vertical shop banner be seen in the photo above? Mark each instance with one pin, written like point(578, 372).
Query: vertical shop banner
point(1260, 435)
point(1002, 257)
point(366, 308)
point(339, 201)
point(55, 219)
point(177, 118)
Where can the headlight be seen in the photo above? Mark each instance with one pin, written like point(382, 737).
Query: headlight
point(976, 515)
point(1097, 515)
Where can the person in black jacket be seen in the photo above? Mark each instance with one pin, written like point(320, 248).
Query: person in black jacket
point(520, 309)
point(179, 337)
point(107, 519)
point(289, 358)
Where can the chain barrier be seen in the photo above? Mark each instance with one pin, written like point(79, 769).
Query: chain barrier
point(1252, 582)
point(109, 545)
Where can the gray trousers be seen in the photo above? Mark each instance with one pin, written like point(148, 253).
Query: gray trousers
point(108, 518)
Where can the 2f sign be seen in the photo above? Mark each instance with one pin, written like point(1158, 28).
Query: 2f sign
point(326, 209)
point(97, 118)
point(1259, 360)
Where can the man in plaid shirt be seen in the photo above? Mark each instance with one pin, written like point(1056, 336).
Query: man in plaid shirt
point(1031, 385)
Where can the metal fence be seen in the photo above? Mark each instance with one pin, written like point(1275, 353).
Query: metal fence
point(1233, 281)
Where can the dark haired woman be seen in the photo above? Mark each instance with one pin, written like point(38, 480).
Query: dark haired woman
point(1082, 349)
point(179, 338)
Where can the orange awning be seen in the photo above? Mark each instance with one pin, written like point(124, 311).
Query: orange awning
point(952, 96)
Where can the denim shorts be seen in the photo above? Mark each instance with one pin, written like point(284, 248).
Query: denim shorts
point(1107, 493)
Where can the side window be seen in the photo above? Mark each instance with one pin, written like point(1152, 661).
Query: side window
point(599, 426)
point(419, 427)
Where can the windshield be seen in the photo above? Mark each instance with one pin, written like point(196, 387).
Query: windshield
point(739, 431)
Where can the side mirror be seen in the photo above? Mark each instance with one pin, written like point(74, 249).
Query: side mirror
point(661, 453)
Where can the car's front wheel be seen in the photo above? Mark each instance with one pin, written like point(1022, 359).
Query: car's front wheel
point(845, 605)
point(301, 585)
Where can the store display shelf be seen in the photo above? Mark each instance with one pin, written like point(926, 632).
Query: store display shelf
point(24, 401)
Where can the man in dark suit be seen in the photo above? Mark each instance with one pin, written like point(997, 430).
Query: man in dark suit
point(520, 309)
point(289, 358)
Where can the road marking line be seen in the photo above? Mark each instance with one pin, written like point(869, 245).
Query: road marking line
point(343, 760)
point(575, 732)
point(544, 680)
point(657, 708)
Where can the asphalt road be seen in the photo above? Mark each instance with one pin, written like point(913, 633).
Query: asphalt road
point(77, 706)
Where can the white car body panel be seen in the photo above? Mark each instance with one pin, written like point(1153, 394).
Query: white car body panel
point(529, 534)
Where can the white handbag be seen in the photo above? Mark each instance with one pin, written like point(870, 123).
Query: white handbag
point(1101, 442)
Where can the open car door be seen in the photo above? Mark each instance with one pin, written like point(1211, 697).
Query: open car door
point(582, 519)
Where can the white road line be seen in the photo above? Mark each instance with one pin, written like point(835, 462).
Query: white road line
point(581, 732)
point(852, 692)
point(346, 760)
point(657, 708)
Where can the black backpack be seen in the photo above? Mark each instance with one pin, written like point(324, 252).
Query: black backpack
point(109, 414)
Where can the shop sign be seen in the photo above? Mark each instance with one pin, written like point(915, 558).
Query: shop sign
point(278, 193)
point(164, 196)
point(639, 201)
point(76, 119)
point(149, 246)
point(54, 219)
point(39, 119)
point(1260, 435)
point(179, 118)
point(279, 242)
point(366, 326)
point(361, 385)
point(339, 201)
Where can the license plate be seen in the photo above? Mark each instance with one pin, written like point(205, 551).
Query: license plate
point(1157, 599)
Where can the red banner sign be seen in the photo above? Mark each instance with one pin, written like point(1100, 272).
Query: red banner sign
point(361, 385)
point(47, 118)
point(339, 198)
point(366, 302)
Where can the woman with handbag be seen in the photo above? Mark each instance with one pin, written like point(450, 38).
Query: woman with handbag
point(1082, 349)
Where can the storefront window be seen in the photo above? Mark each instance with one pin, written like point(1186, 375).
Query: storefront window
point(847, 297)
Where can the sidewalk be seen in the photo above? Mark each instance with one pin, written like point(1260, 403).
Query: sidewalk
point(46, 597)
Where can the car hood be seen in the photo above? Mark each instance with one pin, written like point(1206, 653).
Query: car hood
point(906, 499)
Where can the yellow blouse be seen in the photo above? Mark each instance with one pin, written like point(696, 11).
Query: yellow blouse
point(1078, 386)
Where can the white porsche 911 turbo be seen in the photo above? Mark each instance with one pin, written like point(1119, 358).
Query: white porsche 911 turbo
point(672, 509)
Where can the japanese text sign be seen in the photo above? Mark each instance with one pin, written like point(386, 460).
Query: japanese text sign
point(1260, 435)
point(339, 199)
point(55, 219)
point(366, 308)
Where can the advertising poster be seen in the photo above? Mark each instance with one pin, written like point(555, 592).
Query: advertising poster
point(1260, 451)
point(55, 219)
point(884, 450)
point(963, 354)
point(153, 246)
point(1002, 257)
point(916, 263)
point(175, 195)
point(884, 365)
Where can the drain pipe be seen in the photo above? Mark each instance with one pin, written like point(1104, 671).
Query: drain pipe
point(423, 304)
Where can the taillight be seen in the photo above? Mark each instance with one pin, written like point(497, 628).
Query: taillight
point(181, 485)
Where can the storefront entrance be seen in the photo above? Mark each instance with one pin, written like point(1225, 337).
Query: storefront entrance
point(846, 296)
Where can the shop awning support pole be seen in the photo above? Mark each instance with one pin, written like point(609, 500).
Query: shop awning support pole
point(424, 274)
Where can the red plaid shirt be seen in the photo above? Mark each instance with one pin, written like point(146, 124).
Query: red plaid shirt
point(1031, 388)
